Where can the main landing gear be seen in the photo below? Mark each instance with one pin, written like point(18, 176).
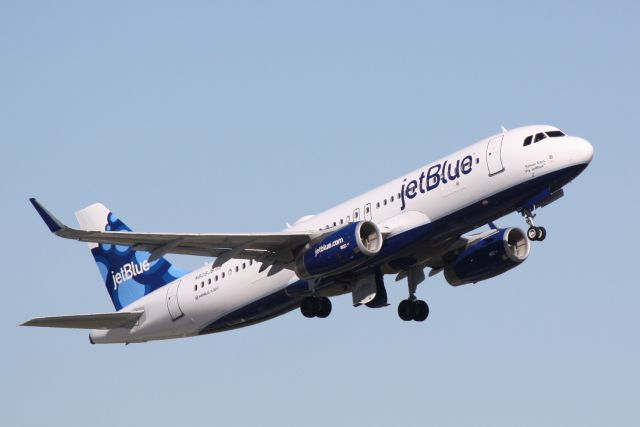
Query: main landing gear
point(533, 233)
point(412, 308)
point(316, 307)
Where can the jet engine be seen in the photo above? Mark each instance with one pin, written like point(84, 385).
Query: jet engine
point(337, 252)
point(488, 257)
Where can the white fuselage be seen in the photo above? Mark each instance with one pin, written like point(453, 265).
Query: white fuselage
point(469, 177)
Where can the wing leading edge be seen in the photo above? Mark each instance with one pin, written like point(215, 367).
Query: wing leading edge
point(276, 247)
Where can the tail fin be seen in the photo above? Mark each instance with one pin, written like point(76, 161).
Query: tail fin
point(128, 274)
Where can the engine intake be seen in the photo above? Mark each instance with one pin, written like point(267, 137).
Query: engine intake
point(339, 251)
point(489, 257)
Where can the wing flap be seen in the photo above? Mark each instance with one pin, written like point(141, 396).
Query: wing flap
point(88, 321)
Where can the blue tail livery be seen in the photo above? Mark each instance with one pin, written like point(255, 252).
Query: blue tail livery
point(128, 274)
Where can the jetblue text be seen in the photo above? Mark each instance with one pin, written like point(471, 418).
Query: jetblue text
point(440, 173)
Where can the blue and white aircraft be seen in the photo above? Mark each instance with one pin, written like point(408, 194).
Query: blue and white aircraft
point(413, 222)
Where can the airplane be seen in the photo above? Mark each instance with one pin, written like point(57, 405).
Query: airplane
point(420, 220)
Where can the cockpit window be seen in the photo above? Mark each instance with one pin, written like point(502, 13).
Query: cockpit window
point(542, 135)
point(539, 137)
point(555, 134)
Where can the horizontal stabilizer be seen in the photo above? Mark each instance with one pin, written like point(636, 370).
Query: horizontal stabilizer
point(88, 321)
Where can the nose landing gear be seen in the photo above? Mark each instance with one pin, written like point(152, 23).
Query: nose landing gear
point(537, 233)
point(533, 233)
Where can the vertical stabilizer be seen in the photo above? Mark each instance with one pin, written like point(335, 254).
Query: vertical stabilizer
point(128, 274)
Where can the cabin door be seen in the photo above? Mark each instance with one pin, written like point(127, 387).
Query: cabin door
point(494, 155)
point(172, 300)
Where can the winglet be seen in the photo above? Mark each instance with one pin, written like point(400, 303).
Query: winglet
point(48, 218)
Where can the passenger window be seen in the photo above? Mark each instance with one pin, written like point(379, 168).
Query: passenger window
point(202, 284)
point(222, 275)
point(527, 140)
point(367, 209)
point(250, 262)
point(341, 221)
point(399, 195)
point(555, 134)
point(334, 223)
point(230, 271)
point(384, 202)
point(539, 137)
point(215, 279)
point(378, 205)
point(195, 287)
point(209, 280)
point(391, 199)
point(237, 268)
point(244, 265)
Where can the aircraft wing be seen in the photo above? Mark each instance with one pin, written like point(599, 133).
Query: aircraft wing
point(88, 321)
point(271, 248)
point(445, 249)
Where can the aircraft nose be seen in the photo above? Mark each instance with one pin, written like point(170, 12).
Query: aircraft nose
point(583, 150)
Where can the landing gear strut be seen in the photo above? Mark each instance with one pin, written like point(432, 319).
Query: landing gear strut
point(412, 308)
point(316, 307)
point(533, 233)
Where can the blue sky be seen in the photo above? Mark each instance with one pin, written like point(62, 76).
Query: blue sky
point(240, 116)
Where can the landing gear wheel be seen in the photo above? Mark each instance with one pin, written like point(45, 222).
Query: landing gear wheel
point(324, 307)
point(406, 310)
point(533, 233)
point(541, 233)
point(309, 307)
point(421, 311)
point(315, 307)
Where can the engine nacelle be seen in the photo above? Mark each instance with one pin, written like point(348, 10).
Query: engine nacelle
point(339, 251)
point(489, 257)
